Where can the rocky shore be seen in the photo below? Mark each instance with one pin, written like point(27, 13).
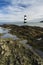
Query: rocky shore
point(33, 34)
point(14, 53)
point(18, 51)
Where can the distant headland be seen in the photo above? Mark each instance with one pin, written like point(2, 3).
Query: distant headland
point(41, 21)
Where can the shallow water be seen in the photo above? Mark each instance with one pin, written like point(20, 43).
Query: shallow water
point(3, 30)
point(6, 34)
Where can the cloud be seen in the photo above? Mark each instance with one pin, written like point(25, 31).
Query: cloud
point(14, 10)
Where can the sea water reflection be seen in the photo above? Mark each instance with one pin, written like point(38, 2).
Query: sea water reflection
point(5, 34)
point(3, 30)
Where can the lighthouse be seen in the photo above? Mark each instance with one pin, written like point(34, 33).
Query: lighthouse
point(25, 18)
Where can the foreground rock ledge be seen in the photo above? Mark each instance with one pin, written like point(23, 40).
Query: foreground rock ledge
point(14, 53)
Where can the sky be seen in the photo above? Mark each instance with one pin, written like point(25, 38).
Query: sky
point(14, 10)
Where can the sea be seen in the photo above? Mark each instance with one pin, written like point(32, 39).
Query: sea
point(37, 24)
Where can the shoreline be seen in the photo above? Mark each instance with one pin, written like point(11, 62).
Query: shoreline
point(33, 34)
point(29, 44)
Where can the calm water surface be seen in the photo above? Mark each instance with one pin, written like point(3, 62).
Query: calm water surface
point(22, 23)
point(30, 24)
point(6, 34)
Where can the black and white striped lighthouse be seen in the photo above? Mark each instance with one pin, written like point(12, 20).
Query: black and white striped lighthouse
point(25, 18)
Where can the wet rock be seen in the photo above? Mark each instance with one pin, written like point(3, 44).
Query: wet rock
point(14, 53)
